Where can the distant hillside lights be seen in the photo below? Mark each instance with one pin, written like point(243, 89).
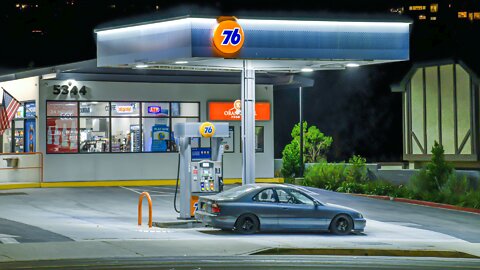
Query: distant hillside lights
point(433, 12)
point(23, 6)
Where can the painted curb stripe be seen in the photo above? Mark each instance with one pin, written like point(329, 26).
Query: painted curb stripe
point(366, 252)
point(166, 182)
point(423, 203)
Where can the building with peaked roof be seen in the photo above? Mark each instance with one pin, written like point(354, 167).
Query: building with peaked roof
point(441, 103)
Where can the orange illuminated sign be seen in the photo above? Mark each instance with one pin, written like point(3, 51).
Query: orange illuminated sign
point(231, 111)
point(228, 36)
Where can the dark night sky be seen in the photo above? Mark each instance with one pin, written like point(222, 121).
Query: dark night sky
point(355, 106)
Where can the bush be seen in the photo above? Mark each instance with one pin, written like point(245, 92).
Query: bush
point(438, 182)
point(325, 175)
point(472, 199)
point(357, 171)
point(402, 191)
point(453, 190)
point(421, 186)
point(351, 187)
point(379, 188)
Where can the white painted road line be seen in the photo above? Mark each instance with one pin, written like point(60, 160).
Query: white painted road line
point(133, 190)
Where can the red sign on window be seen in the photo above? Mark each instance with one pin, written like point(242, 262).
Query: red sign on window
point(231, 111)
point(62, 135)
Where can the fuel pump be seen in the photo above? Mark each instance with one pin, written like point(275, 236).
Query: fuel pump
point(200, 173)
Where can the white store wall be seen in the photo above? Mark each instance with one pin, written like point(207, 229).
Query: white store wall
point(133, 166)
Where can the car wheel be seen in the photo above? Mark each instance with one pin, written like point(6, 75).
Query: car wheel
point(247, 224)
point(341, 225)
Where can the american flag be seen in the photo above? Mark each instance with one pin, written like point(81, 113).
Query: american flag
point(8, 109)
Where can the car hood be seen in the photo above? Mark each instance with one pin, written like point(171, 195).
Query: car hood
point(336, 206)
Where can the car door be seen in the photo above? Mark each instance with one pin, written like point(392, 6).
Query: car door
point(265, 206)
point(298, 211)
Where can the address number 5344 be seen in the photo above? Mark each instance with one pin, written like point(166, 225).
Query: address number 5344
point(65, 90)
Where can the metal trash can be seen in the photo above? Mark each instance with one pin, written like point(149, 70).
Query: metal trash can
point(12, 162)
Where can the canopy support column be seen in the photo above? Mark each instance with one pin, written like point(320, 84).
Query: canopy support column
point(185, 178)
point(248, 123)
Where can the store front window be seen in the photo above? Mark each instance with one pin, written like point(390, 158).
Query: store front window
point(125, 135)
point(94, 135)
point(94, 127)
point(115, 127)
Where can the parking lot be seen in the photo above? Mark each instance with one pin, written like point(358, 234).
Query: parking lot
point(81, 217)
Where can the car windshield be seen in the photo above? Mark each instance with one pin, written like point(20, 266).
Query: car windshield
point(236, 192)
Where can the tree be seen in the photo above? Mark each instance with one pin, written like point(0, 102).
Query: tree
point(315, 149)
point(290, 158)
point(438, 169)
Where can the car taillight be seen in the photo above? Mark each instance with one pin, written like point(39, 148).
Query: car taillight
point(215, 208)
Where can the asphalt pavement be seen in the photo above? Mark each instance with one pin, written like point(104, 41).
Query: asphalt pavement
point(77, 224)
point(462, 225)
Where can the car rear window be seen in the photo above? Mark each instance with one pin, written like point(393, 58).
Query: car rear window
point(236, 192)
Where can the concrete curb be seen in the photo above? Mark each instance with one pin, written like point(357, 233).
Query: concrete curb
point(366, 252)
point(424, 203)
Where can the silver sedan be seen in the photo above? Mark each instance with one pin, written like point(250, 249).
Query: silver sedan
point(275, 207)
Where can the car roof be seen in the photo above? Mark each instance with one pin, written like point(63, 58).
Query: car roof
point(266, 185)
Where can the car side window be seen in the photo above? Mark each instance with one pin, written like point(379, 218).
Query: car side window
point(284, 196)
point(293, 197)
point(300, 198)
point(266, 195)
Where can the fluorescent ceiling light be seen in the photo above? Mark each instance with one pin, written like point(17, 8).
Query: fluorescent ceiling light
point(141, 66)
point(181, 62)
point(49, 76)
point(352, 65)
point(306, 69)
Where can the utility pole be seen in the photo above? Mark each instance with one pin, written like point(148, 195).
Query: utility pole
point(301, 130)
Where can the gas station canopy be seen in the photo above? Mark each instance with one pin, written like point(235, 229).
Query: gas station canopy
point(273, 45)
point(251, 45)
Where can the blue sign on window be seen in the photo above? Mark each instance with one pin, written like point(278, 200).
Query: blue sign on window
point(30, 109)
point(157, 110)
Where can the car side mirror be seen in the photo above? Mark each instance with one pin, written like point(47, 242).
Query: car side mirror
point(317, 203)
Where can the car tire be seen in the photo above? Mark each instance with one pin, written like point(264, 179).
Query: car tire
point(341, 225)
point(247, 224)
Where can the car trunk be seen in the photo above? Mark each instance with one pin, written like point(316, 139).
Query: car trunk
point(205, 203)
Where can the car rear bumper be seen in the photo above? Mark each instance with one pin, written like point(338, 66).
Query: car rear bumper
point(359, 224)
point(212, 220)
